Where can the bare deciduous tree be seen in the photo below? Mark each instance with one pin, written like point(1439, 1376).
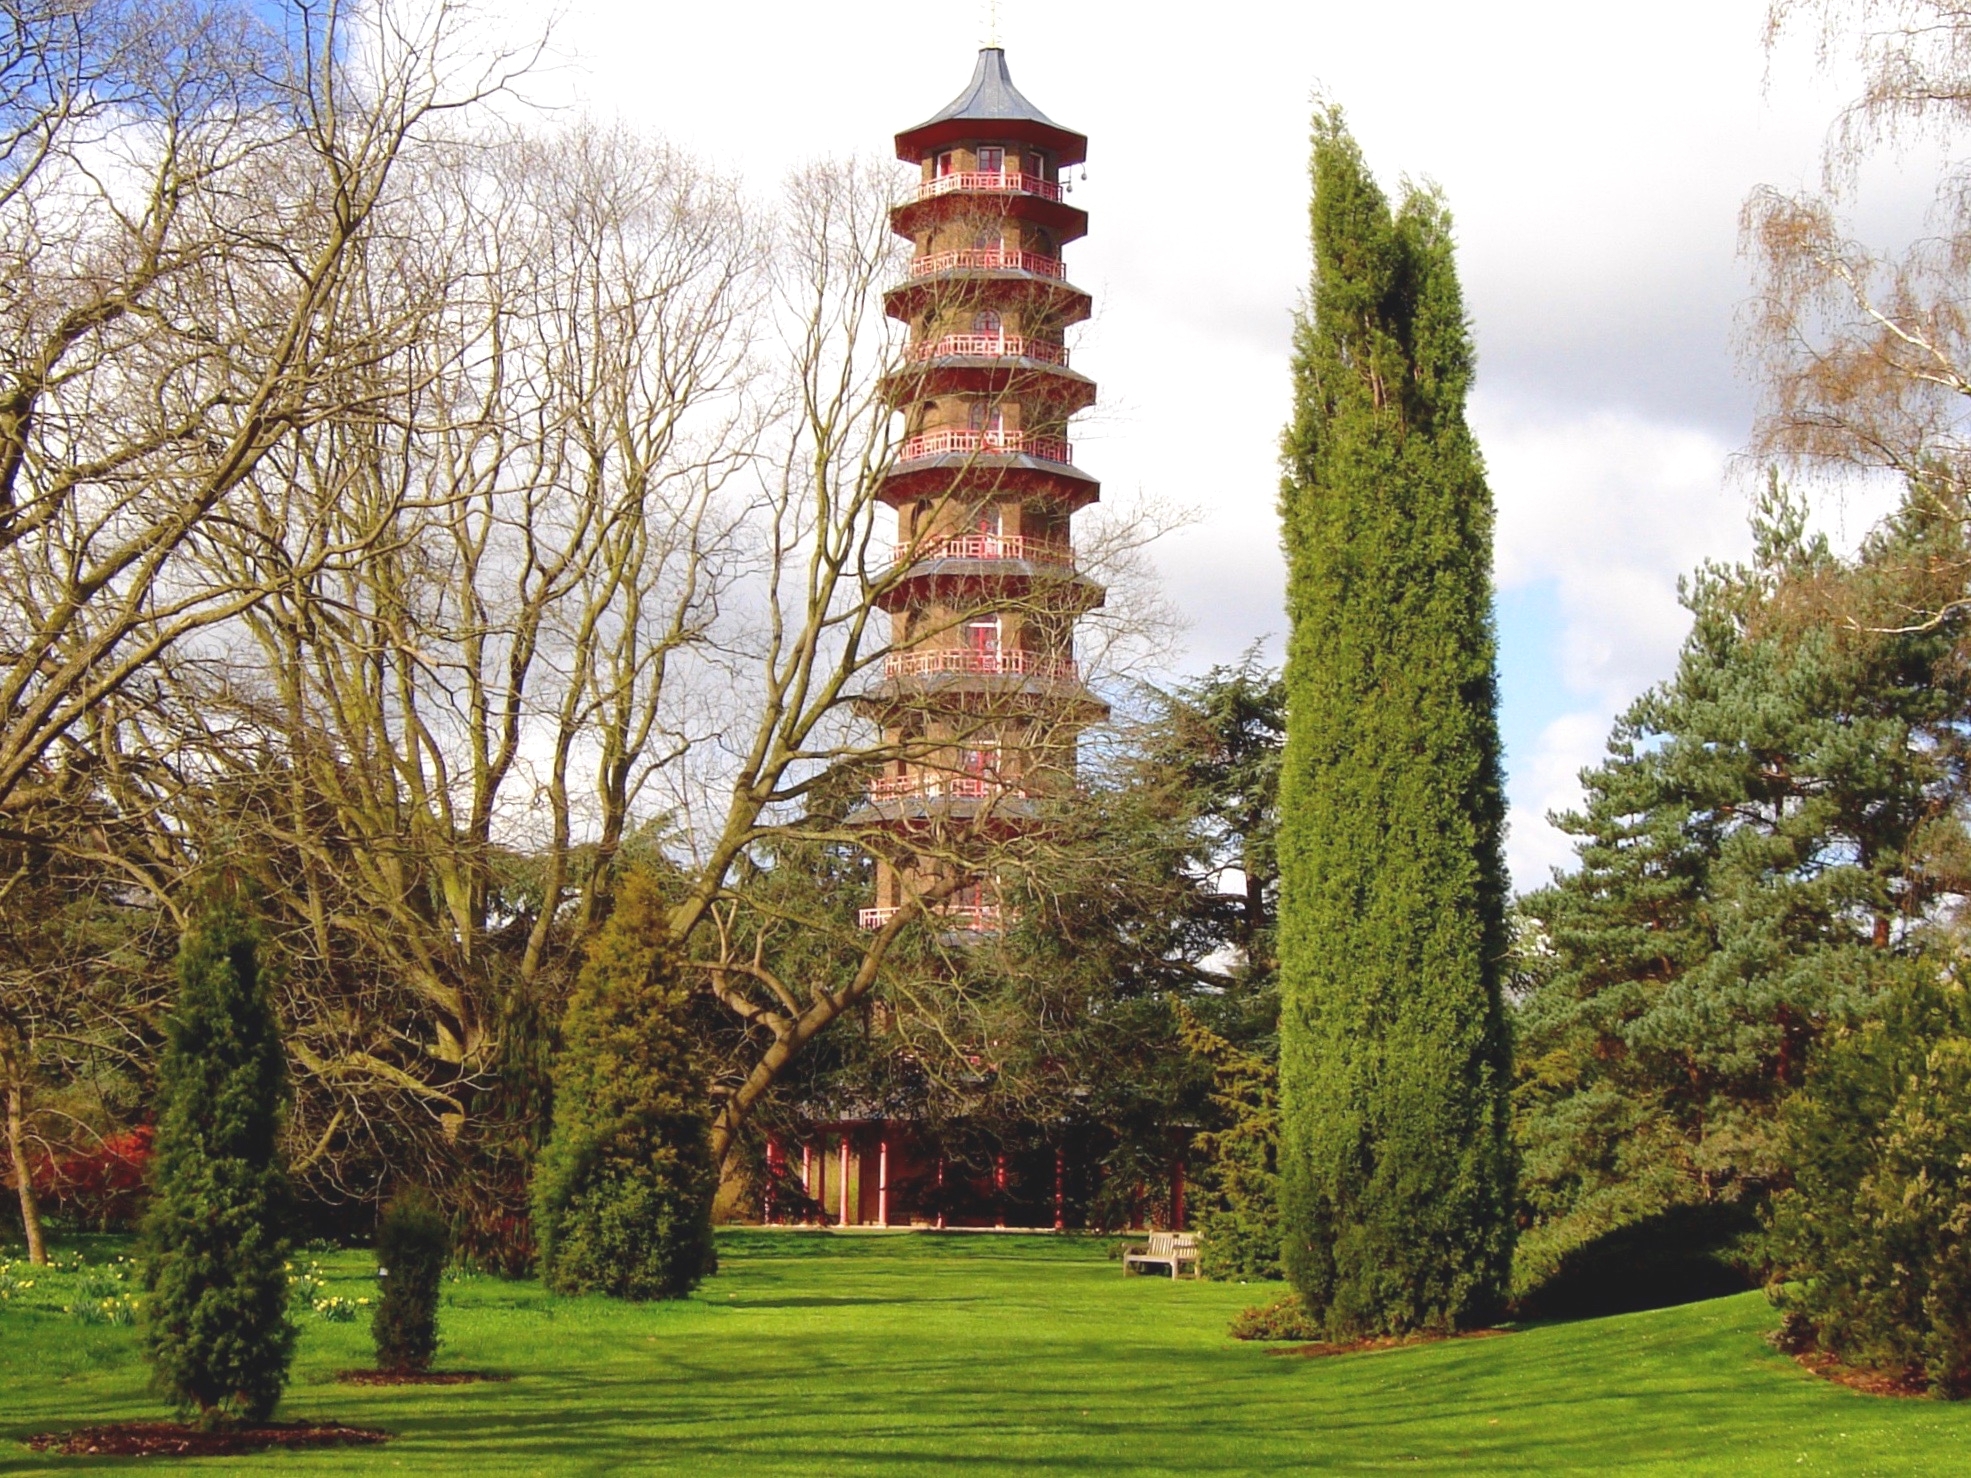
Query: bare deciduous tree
point(455, 730)
point(188, 189)
point(1863, 354)
point(186, 196)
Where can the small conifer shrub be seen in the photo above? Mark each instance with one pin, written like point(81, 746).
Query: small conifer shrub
point(1284, 1318)
point(412, 1245)
point(215, 1326)
point(623, 1189)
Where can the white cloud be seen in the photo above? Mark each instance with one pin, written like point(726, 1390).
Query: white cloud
point(1611, 508)
point(1607, 510)
point(1548, 782)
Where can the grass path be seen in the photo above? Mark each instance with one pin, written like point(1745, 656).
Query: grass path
point(812, 1354)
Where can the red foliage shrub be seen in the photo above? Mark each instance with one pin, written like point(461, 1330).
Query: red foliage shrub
point(101, 1187)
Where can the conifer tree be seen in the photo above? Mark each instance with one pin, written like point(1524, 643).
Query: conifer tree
point(1773, 838)
point(623, 1190)
point(215, 1246)
point(1238, 1212)
point(412, 1245)
point(1396, 1168)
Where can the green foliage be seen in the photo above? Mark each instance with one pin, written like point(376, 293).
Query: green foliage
point(1875, 1233)
point(1284, 1318)
point(623, 1190)
point(1396, 1165)
point(1238, 1203)
point(1212, 753)
point(412, 1245)
point(1761, 850)
point(215, 1323)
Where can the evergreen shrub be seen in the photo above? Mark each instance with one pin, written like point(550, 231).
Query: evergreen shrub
point(1284, 1318)
point(215, 1236)
point(1874, 1238)
point(623, 1189)
point(413, 1242)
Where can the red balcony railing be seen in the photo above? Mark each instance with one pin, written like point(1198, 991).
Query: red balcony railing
point(987, 546)
point(945, 442)
point(934, 785)
point(989, 346)
point(988, 259)
point(1007, 182)
point(1010, 662)
point(983, 918)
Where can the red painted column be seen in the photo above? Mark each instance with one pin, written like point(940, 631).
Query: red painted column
point(844, 1217)
point(1177, 1197)
point(999, 1190)
point(807, 1171)
point(1060, 1190)
point(883, 1183)
point(940, 1190)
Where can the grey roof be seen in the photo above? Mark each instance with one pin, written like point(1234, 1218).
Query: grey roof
point(990, 97)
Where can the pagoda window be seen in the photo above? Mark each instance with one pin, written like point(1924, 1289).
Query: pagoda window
point(1039, 165)
point(948, 162)
point(988, 418)
point(988, 521)
point(985, 240)
point(982, 635)
point(987, 321)
point(992, 159)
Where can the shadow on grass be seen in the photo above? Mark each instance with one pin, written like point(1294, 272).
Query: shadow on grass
point(1684, 1255)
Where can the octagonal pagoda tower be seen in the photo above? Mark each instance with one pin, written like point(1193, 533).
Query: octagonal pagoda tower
point(982, 695)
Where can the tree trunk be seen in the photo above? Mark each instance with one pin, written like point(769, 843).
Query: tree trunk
point(37, 1244)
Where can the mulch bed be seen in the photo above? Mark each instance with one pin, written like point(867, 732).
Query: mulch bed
point(1383, 1342)
point(1871, 1382)
point(417, 1377)
point(174, 1439)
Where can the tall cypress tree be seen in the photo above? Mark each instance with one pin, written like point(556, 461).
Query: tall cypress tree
point(1396, 1165)
point(215, 1235)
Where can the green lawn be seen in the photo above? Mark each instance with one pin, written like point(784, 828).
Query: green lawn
point(815, 1354)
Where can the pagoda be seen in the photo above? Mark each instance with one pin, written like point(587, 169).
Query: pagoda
point(981, 699)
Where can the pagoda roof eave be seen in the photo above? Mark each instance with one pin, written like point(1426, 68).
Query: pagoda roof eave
point(990, 107)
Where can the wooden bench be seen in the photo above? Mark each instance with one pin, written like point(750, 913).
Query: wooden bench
point(1171, 1250)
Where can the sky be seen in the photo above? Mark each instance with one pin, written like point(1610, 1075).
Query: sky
point(1595, 159)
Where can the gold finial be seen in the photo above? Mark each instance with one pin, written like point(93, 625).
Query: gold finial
point(992, 22)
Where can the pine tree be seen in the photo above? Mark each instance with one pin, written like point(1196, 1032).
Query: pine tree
point(623, 1190)
point(1396, 1167)
point(215, 1246)
point(1773, 837)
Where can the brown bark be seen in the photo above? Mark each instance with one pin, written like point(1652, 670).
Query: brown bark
point(37, 1243)
point(791, 1032)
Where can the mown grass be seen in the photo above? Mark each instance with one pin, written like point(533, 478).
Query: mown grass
point(814, 1354)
